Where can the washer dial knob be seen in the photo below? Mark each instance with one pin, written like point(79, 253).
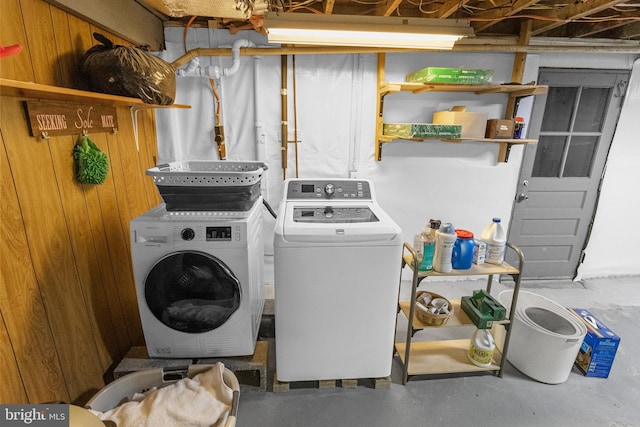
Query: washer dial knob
point(188, 234)
point(329, 189)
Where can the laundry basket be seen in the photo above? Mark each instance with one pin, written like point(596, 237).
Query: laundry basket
point(208, 185)
point(123, 388)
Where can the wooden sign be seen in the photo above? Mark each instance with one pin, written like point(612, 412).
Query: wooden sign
point(54, 118)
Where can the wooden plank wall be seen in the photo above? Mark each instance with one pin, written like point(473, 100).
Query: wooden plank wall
point(68, 309)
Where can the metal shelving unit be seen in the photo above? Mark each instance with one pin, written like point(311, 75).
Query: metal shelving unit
point(441, 357)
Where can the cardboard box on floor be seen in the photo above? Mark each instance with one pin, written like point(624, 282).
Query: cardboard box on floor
point(598, 348)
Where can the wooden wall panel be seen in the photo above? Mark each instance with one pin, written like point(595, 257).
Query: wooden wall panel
point(75, 213)
point(40, 37)
point(68, 306)
point(54, 264)
point(67, 59)
point(115, 215)
point(23, 311)
point(12, 31)
point(149, 152)
point(12, 390)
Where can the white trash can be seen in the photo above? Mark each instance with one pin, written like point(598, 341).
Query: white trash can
point(545, 337)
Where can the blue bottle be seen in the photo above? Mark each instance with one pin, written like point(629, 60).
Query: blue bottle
point(462, 256)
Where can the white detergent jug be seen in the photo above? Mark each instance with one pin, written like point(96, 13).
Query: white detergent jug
point(481, 348)
point(445, 238)
point(496, 240)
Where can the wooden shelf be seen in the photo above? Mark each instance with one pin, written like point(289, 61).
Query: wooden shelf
point(475, 270)
point(30, 90)
point(513, 89)
point(438, 357)
point(458, 318)
point(389, 138)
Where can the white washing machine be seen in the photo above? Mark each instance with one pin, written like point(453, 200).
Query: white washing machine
point(199, 281)
point(337, 258)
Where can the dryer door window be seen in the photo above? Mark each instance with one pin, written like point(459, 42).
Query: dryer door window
point(192, 292)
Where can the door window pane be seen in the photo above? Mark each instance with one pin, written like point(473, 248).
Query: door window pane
point(591, 109)
point(559, 109)
point(580, 156)
point(548, 156)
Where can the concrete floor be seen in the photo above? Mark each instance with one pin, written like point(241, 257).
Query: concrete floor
point(513, 400)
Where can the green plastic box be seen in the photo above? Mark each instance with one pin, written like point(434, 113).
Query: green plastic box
point(451, 76)
point(482, 309)
point(421, 130)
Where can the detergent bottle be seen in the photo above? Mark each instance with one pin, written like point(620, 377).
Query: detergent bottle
point(445, 238)
point(425, 243)
point(496, 241)
point(481, 348)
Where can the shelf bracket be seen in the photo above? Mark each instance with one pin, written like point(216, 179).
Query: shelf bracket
point(134, 122)
point(504, 151)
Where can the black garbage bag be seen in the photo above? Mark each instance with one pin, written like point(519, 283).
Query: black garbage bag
point(129, 71)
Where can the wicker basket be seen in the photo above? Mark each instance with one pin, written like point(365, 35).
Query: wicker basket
point(429, 318)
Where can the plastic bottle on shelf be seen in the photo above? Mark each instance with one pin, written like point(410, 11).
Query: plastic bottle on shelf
point(428, 240)
point(481, 348)
point(445, 238)
point(496, 240)
point(462, 257)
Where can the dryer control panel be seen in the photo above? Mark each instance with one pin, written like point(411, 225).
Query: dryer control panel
point(328, 189)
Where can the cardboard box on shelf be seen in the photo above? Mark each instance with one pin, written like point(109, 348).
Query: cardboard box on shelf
point(500, 128)
point(479, 251)
point(599, 346)
point(450, 76)
point(473, 124)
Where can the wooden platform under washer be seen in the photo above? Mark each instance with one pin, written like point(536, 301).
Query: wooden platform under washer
point(251, 371)
point(285, 386)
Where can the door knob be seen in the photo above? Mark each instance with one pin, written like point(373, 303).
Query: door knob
point(522, 197)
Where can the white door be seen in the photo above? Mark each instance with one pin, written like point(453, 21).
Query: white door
point(560, 177)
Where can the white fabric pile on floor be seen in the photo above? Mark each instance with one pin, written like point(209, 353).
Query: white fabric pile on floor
point(204, 400)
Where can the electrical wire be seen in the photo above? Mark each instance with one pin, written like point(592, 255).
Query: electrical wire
point(184, 34)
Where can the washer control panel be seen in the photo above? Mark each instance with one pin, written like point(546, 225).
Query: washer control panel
point(328, 189)
point(334, 214)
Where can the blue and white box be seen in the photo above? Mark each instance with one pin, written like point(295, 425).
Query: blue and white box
point(598, 348)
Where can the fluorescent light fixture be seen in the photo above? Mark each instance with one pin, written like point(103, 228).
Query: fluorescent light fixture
point(361, 31)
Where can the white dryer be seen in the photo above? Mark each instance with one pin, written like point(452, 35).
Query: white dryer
point(199, 281)
point(337, 258)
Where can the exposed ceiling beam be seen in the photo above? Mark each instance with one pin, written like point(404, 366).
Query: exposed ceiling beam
point(387, 8)
point(450, 7)
point(574, 11)
point(489, 17)
point(328, 6)
point(627, 32)
point(586, 29)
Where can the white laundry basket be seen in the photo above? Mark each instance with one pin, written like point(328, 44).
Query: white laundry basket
point(545, 337)
point(124, 387)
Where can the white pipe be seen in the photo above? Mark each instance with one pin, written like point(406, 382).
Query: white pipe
point(193, 67)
